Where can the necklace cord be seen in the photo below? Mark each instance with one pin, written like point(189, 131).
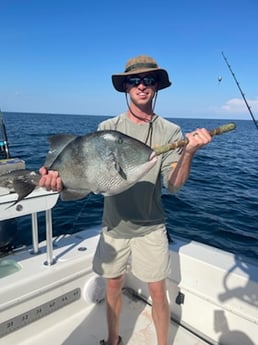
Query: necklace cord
point(150, 130)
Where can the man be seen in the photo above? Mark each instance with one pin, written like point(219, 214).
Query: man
point(133, 221)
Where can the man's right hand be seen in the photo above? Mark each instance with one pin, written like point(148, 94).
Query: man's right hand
point(50, 180)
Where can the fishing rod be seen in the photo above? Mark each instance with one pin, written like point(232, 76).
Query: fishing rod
point(181, 143)
point(243, 95)
point(3, 144)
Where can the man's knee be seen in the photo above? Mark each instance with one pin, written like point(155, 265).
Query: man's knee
point(158, 290)
point(114, 285)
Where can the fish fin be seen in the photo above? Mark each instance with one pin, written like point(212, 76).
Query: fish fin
point(57, 144)
point(120, 171)
point(69, 195)
point(23, 188)
point(117, 166)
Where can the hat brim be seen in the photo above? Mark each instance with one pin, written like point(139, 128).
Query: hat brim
point(119, 80)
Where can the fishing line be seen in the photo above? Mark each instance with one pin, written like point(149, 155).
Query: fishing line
point(237, 83)
point(88, 201)
point(82, 208)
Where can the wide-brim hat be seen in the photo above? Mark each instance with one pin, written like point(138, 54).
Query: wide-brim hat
point(141, 64)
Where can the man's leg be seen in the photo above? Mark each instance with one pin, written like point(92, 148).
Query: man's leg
point(160, 310)
point(113, 307)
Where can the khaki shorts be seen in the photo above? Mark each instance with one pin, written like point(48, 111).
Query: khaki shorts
point(149, 256)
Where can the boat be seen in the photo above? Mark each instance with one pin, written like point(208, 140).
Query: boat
point(8, 228)
point(49, 293)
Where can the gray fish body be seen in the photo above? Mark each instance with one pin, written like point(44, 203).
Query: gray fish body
point(106, 162)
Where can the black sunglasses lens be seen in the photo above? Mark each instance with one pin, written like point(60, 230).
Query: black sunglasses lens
point(147, 81)
point(134, 81)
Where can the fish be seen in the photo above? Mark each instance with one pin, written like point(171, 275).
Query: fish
point(20, 181)
point(105, 162)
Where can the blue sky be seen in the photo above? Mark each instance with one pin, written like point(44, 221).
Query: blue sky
point(57, 56)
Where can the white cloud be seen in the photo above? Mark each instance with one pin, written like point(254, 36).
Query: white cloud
point(238, 106)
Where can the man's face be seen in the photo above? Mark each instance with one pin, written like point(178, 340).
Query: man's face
point(141, 88)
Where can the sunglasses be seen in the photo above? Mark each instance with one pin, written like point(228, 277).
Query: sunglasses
point(146, 81)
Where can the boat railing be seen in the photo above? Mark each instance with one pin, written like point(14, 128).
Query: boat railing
point(39, 200)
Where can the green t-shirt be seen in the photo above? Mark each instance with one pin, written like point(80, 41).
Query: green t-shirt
point(139, 210)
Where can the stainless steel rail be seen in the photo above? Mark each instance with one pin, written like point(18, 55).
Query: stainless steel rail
point(38, 201)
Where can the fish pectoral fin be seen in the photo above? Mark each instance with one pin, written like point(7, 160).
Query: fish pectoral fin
point(120, 171)
point(114, 163)
point(69, 195)
point(23, 188)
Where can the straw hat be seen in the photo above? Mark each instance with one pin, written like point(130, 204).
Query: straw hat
point(141, 64)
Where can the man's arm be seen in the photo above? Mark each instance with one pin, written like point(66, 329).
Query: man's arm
point(179, 175)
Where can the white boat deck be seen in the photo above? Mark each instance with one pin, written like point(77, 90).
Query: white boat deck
point(28, 315)
point(88, 328)
point(49, 294)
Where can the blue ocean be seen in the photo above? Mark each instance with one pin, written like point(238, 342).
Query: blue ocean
point(218, 205)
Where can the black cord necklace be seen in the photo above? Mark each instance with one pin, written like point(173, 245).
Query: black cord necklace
point(150, 121)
